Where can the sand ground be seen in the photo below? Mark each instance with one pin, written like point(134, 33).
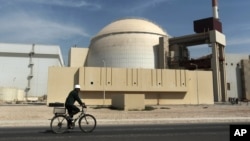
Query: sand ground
point(30, 114)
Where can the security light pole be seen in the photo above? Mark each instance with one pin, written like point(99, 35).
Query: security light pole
point(104, 94)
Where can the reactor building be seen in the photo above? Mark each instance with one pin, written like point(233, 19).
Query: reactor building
point(133, 61)
point(126, 43)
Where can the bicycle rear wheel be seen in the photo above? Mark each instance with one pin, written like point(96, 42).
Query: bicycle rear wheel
point(87, 123)
point(59, 124)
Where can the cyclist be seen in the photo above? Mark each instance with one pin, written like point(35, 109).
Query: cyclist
point(69, 103)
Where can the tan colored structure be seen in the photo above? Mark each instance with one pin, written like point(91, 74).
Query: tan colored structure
point(159, 86)
point(127, 101)
point(77, 56)
point(129, 66)
point(246, 78)
point(217, 42)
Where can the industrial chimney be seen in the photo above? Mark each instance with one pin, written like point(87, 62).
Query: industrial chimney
point(211, 23)
point(215, 9)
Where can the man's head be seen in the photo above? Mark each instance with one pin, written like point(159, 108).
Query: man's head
point(77, 87)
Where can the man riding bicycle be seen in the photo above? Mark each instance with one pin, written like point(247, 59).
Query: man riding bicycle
point(70, 100)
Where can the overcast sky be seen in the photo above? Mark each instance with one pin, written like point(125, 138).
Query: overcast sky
point(74, 22)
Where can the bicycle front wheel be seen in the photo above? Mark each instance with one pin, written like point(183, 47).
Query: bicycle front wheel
point(87, 123)
point(59, 124)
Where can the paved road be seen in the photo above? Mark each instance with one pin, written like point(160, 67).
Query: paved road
point(187, 132)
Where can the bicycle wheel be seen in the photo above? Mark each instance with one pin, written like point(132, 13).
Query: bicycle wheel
point(59, 124)
point(87, 123)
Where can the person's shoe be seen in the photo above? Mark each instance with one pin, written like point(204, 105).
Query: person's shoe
point(71, 125)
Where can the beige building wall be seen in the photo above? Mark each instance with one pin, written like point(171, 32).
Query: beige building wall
point(77, 56)
point(118, 79)
point(246, 78)
point(160, 86)
point(129, 101)
point(60, 82)
point(201, 87)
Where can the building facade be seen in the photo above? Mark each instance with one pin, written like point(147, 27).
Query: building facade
point(237, 76)
point(125, 58)
point(25, 66)
point(99, 85)
point(129, 58)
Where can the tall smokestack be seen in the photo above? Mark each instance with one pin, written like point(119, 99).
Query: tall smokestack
point(215, 9)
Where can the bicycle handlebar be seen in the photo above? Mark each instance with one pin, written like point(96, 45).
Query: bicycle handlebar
point(83, 106)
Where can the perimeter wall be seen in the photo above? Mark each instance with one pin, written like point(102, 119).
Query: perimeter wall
point(159, 86)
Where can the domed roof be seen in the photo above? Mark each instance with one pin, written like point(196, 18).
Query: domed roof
point(132, 25)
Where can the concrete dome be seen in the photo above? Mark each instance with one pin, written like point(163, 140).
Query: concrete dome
point(126, 43)
point(131, 25)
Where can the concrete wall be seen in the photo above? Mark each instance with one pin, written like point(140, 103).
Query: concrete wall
point(61, 81)
point(77, 56)
point(234, 74)
point(118, 79)
point(160, 86)
point(129, 101)
point(246, 79)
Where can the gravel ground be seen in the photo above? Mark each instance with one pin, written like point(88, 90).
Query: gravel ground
point(19, 115)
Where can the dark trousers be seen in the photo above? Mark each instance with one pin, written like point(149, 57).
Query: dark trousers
point(72, 110)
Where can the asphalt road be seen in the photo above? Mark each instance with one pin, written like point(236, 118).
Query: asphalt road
point(186, 132)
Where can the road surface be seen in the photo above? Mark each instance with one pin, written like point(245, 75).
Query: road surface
point(171, 132)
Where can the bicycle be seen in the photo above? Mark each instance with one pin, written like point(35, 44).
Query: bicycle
point(60, 122)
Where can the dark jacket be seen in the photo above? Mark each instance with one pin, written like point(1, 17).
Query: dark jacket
point(72, 97)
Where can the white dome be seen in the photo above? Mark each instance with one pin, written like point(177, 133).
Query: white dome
point(126, 43)
point(132, 25)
